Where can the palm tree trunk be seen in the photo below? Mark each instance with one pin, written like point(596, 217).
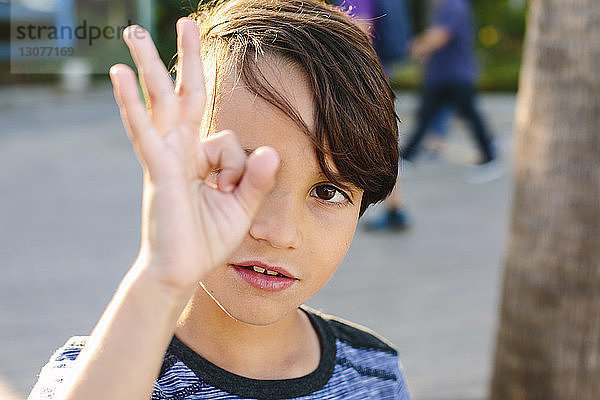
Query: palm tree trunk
point(548, 344)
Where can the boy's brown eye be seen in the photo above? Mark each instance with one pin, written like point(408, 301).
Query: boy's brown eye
point(330, 194)
point(325, 192)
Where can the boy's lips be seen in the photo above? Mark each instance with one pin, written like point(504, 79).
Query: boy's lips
point(264, 276)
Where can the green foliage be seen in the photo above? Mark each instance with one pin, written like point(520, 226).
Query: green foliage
point(500, 33)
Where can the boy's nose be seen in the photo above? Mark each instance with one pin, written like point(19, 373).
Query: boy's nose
point(277, 222)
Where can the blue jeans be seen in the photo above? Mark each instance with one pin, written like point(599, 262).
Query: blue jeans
point(439, 124)
point(461, 96)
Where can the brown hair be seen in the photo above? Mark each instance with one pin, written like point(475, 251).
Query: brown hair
point(355, 121)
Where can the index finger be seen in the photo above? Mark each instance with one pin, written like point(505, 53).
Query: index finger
point(190, 75)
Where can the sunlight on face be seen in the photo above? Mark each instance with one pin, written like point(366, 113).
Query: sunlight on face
point(305, 225)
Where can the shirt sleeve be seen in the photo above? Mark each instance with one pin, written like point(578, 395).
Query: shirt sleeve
point(53, 373)
point(403, 392)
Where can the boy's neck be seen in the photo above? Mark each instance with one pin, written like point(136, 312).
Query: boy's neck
point(287, 349)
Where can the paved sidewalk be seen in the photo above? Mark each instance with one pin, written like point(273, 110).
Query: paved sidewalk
point(69, 218)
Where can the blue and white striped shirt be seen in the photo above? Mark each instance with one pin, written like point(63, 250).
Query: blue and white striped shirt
point(355, 364)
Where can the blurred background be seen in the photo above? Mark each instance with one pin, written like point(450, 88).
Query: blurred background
point(70, 202)
point(500, 31)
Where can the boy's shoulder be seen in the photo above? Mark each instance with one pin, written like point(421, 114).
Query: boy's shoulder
point(54, 372)
point(361, 356)
point(351, 333)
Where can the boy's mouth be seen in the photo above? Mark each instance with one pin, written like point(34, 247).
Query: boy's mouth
point(262, 270)
point(264, 277)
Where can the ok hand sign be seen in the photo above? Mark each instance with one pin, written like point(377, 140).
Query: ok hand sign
point(188, 226)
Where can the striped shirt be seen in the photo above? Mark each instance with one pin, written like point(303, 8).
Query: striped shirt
point(355, 364)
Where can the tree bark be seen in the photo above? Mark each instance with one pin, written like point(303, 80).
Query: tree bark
point(548, 344)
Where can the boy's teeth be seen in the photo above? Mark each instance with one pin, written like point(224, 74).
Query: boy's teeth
point(264, 271)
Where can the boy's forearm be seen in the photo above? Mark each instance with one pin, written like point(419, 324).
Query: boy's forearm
point(124, 353)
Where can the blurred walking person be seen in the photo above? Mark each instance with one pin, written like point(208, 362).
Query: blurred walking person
point(446, 50)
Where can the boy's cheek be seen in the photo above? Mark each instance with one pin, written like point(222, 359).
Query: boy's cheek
point(335, 247)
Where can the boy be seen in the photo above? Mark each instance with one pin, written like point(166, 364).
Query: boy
point(251, 199)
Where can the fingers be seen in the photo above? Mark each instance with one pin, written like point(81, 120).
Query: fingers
point(222, 152)
point(144, 136)
point(154, 78)
point(190, 77)
point(249, 177)
point(258, 179)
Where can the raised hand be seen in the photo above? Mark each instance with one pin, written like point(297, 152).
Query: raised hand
point(188, 226)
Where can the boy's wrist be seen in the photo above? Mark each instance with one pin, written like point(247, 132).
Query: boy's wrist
point(144, 276)
point(137, 325)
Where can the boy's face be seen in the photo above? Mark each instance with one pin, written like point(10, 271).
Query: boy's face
point(305, 225)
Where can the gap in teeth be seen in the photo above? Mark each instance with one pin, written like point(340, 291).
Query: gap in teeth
point(263, 271)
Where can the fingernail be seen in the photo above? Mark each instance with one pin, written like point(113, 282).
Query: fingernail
point(114, 70)
point(127, 32)
point(134, 30)
point(180, 22)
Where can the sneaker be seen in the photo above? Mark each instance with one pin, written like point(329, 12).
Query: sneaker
point(485, 172)
point(431, 155)
point(392, 221)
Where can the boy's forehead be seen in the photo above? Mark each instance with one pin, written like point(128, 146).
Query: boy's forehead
point(279, 77)
point(258, 122)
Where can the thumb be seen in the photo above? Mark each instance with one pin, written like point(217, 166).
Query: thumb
point(258, 179)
